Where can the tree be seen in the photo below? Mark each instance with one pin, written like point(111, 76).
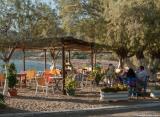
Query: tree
point(82, 18)
point(7, 38)
point(120, 29)
point(128, 32)
point(153, 25)
point(23, 20)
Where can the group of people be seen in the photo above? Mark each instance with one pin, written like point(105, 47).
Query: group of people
point(136, 80)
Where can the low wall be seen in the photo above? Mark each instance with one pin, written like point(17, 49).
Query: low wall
point(121, 95)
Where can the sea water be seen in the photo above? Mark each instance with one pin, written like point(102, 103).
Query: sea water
point(29, 64)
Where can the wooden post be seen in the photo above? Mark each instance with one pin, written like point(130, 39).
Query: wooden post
point(63, 68)
point(24, 60)
point(92, 59)
point(69, 56)
point(95, 60)
point(45, 59)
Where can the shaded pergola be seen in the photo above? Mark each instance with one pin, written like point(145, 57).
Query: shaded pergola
point(58, 43)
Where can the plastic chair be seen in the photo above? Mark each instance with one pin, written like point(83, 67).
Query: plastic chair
point(2, 79)
point(46, 75)
point(55, 72)
point(41, 82)
point(30, 76)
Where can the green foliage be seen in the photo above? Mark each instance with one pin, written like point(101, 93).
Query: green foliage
point(29, 19)
point(96, 73)
point(79, 55)
point(2, 101)
point(128, 27)
point(2, 98)
point(114, 89)
point(12, 79)
point(70, 83)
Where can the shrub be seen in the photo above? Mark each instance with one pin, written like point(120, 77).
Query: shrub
point(70, 85)
point(96, 73)
point(114, 89)
point(2, 101)
point(12, 72)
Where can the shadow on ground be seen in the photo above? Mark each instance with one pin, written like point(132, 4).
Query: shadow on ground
point(11, 110)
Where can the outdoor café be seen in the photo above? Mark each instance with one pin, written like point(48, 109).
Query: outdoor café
point(55, 77)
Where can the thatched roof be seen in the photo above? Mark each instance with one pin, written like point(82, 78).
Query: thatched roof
point(70, 43)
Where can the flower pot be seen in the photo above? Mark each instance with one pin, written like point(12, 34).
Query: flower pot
point(12, 92)
point(110, 96)
point(70, 92)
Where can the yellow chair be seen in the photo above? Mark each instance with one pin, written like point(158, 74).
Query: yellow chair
point(30, 76)
point(2, 79)
point(58, 72)
point(55, 72)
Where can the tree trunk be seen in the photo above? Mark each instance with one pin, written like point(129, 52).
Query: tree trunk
point(154, 68)
point(130, 64)
point(121, 63)
point(5, 56)
point(54, 56)
point(141, 58)
point(5, 89)
point(142, 62)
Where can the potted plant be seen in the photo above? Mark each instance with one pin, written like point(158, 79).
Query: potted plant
point(70, 85)
point(118, 92)
point(2, 101)
point(12, 79)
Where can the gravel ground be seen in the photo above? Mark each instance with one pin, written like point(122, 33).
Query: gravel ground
point(26, 101)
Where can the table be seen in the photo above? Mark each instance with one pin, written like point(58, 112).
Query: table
point(21, 77)
point(57, 80)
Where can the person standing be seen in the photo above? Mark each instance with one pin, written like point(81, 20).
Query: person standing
point(110, 75)
point(143, 77)
point(131, 80)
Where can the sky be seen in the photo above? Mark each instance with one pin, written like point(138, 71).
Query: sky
point(50, 2)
